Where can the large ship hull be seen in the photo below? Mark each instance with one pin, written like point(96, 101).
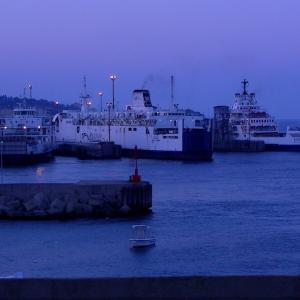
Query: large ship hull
point(196, 146)
point(158, 134)
point(189, 144)
point(280, 147)
point(284, 142)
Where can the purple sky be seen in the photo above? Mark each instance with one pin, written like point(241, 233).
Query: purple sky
point(209, 46)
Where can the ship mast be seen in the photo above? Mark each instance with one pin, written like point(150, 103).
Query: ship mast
point(245, 83)
point(172, 91)
point(84, 96)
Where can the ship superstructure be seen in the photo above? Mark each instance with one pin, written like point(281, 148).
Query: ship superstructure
point(157, 133)
point(251, 122)
point(26, 137)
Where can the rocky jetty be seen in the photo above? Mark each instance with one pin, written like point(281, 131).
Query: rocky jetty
point(69, 200)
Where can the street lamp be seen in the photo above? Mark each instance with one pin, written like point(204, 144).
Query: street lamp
point(56, 103)
point(109, 105)
point(30, 90)
point(113, 78)
point(1, 159)
point(100, 94)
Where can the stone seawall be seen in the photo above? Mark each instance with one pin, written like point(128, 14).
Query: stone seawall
point(193, 287)
point(68, 200)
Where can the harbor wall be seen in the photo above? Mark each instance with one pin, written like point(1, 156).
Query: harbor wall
point(69, 200)
point(192, 287)
point(102, 150)
point(223, 135)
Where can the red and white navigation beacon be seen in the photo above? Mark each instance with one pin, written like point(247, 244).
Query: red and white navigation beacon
point(135, 178)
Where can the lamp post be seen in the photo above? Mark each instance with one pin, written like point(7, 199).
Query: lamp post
point(30, 90)
point(56, 103)
point(1, 159)
point(113, 78)
point(25, 138)
point(109, 105)
point(2, 156)
point(100, 94)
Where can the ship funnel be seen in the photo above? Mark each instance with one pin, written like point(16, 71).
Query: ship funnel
point(141, 100)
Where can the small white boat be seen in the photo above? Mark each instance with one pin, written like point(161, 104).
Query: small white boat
point(142, 236)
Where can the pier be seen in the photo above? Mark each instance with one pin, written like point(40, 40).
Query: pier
point(70, 200)
point(223, 135)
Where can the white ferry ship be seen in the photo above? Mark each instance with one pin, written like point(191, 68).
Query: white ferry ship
point(26, 137)
point(251, 122)
point(163, 134)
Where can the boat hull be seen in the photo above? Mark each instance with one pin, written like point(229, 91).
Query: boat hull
point(278, 147)
point(142, 243)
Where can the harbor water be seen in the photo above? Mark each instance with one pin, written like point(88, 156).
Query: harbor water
point(238, 214)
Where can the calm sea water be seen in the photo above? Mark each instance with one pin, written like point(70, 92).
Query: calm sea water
point(236, 215)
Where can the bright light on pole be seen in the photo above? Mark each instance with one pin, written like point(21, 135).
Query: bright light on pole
point(109, 105)
point(113, 78)
point(30, 90)
point(1, 159)
point(100, 94)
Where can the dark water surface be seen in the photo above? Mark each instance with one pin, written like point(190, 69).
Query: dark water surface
point(239, 214)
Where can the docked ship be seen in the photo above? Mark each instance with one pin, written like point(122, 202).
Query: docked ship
point(26, 137)
point(163, 134)
point(251, 122)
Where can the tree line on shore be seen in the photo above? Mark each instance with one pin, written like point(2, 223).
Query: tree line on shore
point(45, 107)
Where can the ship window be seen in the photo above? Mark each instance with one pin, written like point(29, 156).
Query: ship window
point(197, 123)
point(134, 129)
point(129, 129)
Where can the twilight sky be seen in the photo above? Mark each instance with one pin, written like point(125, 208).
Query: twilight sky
point(209, 46)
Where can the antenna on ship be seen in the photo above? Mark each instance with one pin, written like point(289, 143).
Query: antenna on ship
point(84, 85)
point(84, 96)
point(245, 83)
point(172, 91)
point(24, 97)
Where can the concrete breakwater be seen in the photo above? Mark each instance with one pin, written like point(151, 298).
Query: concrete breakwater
point(68, 200)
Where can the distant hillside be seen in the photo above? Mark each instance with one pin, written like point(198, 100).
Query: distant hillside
point(44, 107)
